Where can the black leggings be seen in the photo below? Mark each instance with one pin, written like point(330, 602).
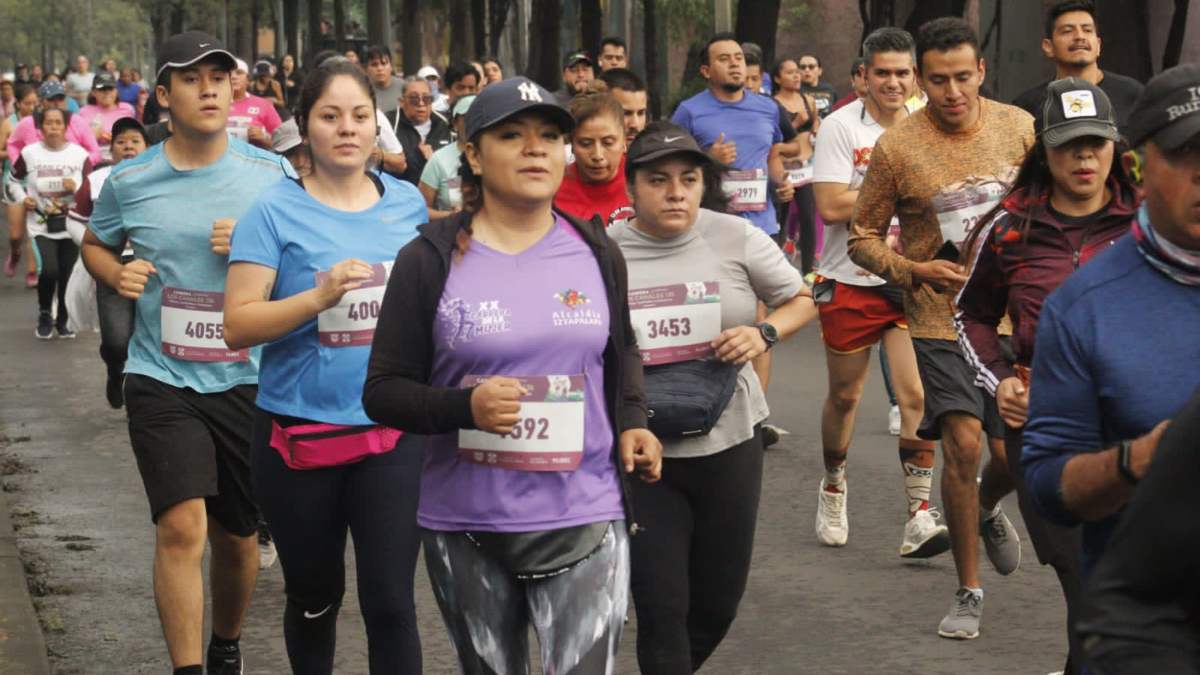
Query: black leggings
point(690, 565)
point(58, 259)
point(309, 513)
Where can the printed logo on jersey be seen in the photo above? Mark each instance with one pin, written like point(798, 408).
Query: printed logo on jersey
point(621, 214)
point(577, 313)
point(862, 157)
point(463, 321)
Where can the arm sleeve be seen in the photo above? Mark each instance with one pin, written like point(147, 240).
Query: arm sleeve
point(1145, 593)
point(1064, 412)
point(106, 222)
point(981, 306)
point(869, 225)
point(773, 278)
point(431, 175)
point(255, 239)
point(270, 118)
point(397, 393)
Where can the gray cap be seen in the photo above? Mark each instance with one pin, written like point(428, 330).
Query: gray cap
point(286, 136)
point(1168, 111)
point(1076, 108)
point(501, 100)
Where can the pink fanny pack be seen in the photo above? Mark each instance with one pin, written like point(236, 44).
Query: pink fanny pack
point(319, 445)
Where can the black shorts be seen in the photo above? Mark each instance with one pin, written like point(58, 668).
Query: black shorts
point(192, 445)
point(949, 383)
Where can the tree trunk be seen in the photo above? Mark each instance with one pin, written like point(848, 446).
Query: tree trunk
point(460, 31)
point(478, 28)
point(255, 17)
point(1130, 54)
point(756, 22)
point(927, 10)
point(591, 22)
point(291, 28)
point(378, 31)
point(410, 41)
point(650, 48)
point(314, 33)
point(545, 44)
point(497, 20)
point(339, 26)
point(1174, 48)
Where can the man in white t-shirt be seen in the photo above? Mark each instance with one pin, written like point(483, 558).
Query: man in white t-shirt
point(856, 309)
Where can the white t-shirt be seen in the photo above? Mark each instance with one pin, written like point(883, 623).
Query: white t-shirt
point(387, 140)
point(841, 154)
point(79, 84)
point(41, 173)
point(424, 129)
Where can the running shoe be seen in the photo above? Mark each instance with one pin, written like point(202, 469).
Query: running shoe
point(833, 528)
point(1001, 541)
point(771, 435)
point(113, 389)
point(45, 326)
point(31, 280)
point(962, 621)
point(10, 265)
point(924, 537)
point(894, 421)
point(267, 555)
point(64, 333)
point(224, 660)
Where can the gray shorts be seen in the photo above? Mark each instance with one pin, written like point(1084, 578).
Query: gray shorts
point(949, 383)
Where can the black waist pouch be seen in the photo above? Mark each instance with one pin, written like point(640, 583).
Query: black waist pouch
point(687, 398)
point(546, 553)
point(56, 224)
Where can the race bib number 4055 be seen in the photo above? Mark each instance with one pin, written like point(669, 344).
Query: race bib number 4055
point(747, 190)
point(677, 322)
point(548, 436)
point(192, 327)
point(351, 322)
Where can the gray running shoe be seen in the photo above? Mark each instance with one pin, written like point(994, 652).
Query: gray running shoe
point(1001, 541)
point(962, 622)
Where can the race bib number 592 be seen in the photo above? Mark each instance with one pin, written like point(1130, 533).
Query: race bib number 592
point(547, 437)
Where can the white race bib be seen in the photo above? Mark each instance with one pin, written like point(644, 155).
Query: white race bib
point(454, 188)
point(549, 435)
point(799, 173)
point(351, 322)
point(238, 127)
point(192, 326)
point(959, 211)
point(676, 322)
point(747, 190)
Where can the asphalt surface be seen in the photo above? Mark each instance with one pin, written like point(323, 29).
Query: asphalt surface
point(85, 538)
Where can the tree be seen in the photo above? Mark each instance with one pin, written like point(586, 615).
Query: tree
point(1174, 47)
point(756, 22)
point(410, 38)
point(1128, 54)
point(545, 24)
point(650, 50)
point(379, 30)
point(497, 20)
point(478, 28)
point(460, 31)
point(591, 23)
point(313, 45)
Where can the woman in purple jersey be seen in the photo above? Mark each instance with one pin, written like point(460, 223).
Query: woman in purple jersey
point(504, 335)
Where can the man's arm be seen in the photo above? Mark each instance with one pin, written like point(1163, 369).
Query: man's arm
point(835, 201)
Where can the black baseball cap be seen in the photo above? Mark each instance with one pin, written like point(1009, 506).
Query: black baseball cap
point(661, 140)
point(1168, 111)
point(501, 100)
point(1075, 108)
point(262, 68)
point(186, 49)
point(128, 124)
point(104, 80)
point(577, 56)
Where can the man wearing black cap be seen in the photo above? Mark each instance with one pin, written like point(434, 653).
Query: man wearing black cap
point(1116, 343)
point(189, 398)
point(578, 71)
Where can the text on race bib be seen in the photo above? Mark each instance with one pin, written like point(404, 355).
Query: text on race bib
point(351, 322)
point(547, 437)
point(747, 190)
point(799, 173)
point(960, 210)
point(677, 322)
point(192, 326)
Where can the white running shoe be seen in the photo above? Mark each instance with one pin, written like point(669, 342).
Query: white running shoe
point(833, 529)
point(267, 555)
point(924, 537)
point(894, 421)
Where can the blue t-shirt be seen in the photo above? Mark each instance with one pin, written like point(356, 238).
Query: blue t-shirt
point(167, 215)
point(1116, 354)
point(751, 123)
point(306, 373)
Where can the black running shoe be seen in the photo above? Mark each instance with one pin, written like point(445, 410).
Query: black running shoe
point(113, 391)
point(224, 660)
point(770, 435)
point(45, 327)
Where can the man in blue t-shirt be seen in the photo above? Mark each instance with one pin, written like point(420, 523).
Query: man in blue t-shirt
point(189, 397)
point(1116, 347)
point(739, 131)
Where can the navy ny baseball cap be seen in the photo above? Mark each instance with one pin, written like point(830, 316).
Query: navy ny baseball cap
point(502, 100)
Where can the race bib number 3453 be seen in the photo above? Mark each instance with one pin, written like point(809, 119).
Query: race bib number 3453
point(192, 327)
point(547, 437)
point(351, 322)
point(677, 322)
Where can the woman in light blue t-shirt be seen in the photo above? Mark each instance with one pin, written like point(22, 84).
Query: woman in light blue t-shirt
point(308, 266)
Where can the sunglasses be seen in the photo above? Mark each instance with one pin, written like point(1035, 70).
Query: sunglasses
point(419, 100)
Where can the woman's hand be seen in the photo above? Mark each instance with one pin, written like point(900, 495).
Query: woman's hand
point(641, 450)
point(496, 404)
point(739, 345)
point(342, 278)
point(1012, 400)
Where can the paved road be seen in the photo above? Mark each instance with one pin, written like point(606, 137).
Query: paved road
point(85, 534)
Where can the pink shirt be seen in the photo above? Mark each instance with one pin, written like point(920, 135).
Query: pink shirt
point(107, 117)
point(252, 111)
point(78, 131)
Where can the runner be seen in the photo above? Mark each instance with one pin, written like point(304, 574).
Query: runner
point(1097, 409)
point(265, 86)
point(52, 95)
point(251, 118)
point(594, 185)
point(1073, 44)
point(614, 53)
point(577, 71)
point(289, 79)
point(321, 247)
point(1071, 200)
point(822, 93)
point(707, 272)
point(440, 183)
point(44, 179)
point(799, 220)
point(419, 131)
point(114, 312)
point(188, 396)
point(388, 88)
point(27, 100)
point(492, 70)
point(128, 89)
point(629, 90)
point(532, 391)
point(979, 144)
point(858, 310)
point(101, 115)
point(79, 80)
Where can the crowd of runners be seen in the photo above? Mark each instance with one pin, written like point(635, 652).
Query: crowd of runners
point(531, 331)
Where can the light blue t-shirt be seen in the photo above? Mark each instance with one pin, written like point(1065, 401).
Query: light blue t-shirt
point(441, 174)
point(317, 371)
point(167, 215)
point(751, 123)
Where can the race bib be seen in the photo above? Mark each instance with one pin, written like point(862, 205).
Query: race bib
point(799, 173)
point(454, 188)
point(238, 127)
point(549, 435)
point(676, 322)
point(192, 327)
point(50, 186)
point(747, 190)
point(351, 322)
point(959, 211)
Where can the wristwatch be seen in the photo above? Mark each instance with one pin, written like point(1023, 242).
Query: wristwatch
point(769, 334)
point(1124, 452)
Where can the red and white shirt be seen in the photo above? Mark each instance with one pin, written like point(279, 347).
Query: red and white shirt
point(43, 173)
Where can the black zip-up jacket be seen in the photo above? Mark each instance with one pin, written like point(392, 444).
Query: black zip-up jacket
point(397, 392)
point(439, 136)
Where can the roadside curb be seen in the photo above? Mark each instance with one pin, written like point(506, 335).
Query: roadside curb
point(22, 646)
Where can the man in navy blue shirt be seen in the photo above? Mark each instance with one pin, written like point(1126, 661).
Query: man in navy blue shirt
point(1117, 349)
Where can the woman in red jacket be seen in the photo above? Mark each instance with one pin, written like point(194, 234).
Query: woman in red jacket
point(1071, 200)
point(595, 184)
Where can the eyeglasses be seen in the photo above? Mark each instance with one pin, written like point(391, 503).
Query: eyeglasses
point(419, 100)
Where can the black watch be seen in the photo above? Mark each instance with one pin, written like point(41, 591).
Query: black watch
point(769, 334)
point(1124, 457)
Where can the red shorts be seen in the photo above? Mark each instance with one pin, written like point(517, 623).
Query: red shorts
point(856, 318)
